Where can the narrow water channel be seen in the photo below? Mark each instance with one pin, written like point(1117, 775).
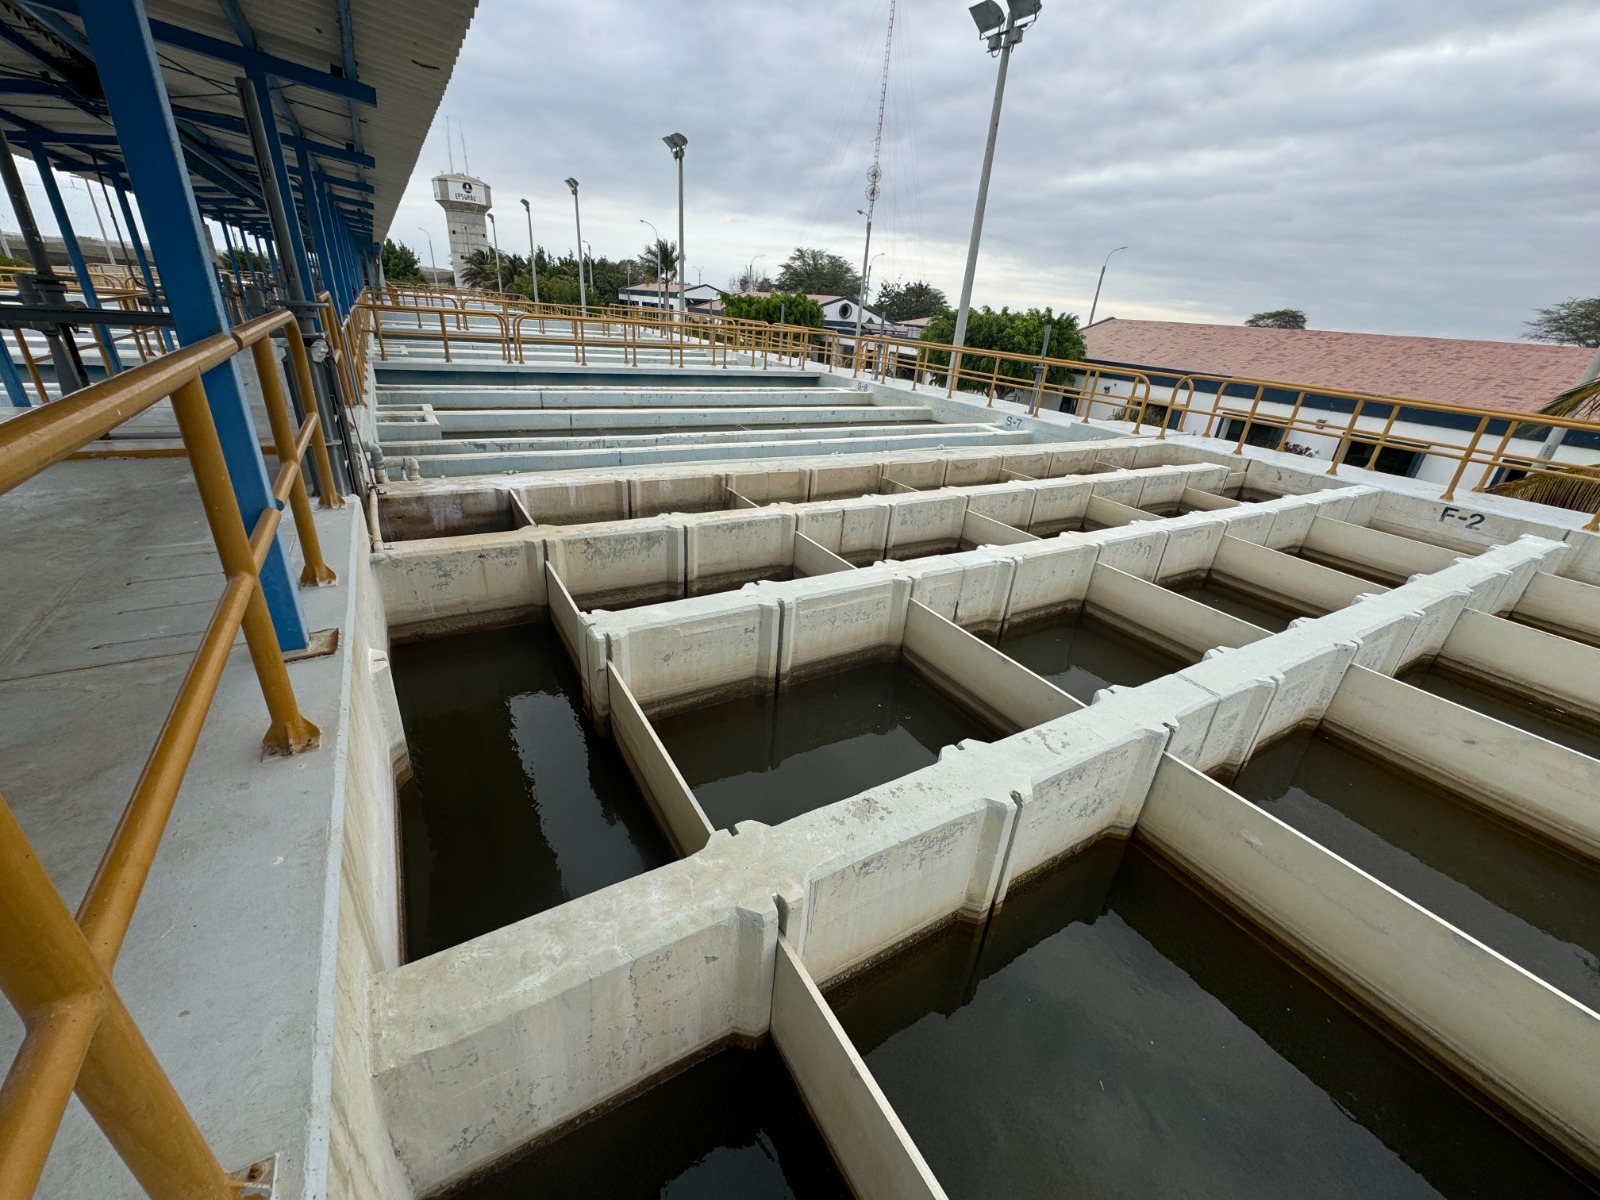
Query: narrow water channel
point(1259, 612)
point(1113, 1034)
point(813, 743)
point(1552, 724)
point(733, 1126)
point(1082, 656)
point(1533, 903)
point(516, 804)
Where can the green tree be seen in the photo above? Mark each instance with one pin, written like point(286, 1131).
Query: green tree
point(1019, 333)
point(400, 263)
point(908, 301)
point(791, 308)
point(819, 273)
point(1278, 318)
point(248, 259)
point(662, 251)
point(1573, 322)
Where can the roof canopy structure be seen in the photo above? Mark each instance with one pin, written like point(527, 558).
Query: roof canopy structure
point(354, 86)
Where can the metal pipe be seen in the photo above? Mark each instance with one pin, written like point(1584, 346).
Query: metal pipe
point(1102, 279)
point(960, 338)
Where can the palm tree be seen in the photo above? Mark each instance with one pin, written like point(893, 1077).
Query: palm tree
point(662, 251)
point(1576, 487)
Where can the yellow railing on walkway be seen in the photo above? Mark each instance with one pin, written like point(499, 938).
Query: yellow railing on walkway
point(56, 969)
point(1091, 391)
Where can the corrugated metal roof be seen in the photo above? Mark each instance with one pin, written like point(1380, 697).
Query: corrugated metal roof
point(1515, 376)
point(404, 49)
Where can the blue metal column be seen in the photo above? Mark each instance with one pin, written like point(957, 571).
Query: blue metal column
point(13, 381)
point(295, 251)
point(270, 253)
point(144, 260)
point(131, 77)
point(319, 223)
point(74, 253)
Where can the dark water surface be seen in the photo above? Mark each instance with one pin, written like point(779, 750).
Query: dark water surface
point(1083, 656)
point(733, 1126)
point(775, 757)
point(1540, 720)
point(517, 804)
point(1115, 1035)
point(1260, 613)
point(1533, 903)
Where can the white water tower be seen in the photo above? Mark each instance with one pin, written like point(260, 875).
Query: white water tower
point(465, 200)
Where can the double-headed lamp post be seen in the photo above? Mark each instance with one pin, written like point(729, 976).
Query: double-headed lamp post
point(583, 292)
point(676, 142)
point(1098, 282)
point(494, 233)
point(533, 251)
point(1002, 30)
point(431, 257)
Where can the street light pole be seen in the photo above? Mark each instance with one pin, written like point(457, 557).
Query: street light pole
point(432, 258)
point(1002, 32)
point(676, 142)
point(533, 251)
point(583, 292)
point(494, 233)
point(1101, 280)
point(661, 295)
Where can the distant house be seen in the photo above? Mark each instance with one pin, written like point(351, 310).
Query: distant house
point(838, 312)
point(1307, 368)
point(650, 295)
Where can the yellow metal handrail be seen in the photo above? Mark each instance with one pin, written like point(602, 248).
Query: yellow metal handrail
point(56, 969)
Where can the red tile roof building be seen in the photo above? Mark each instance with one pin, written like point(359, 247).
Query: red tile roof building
point(1514, 376)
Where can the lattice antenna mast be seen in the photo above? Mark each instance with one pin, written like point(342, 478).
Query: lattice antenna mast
point(874, 174)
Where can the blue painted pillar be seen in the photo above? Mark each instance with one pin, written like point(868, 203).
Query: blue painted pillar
point(142, 114)
point(270, 253)
point(144, 260)
point(74, 252)
point(8, 372)
point(295, 252)
point(318, 221)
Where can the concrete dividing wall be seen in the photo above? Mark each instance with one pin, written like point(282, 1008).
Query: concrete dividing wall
point(677, 811)
point(926, 523)
point(1008, 695)
point(835, 621)
point(1473, 522)
point(868, 1141)
point(1533, 1049)
point(978, 530)
point(724, 550)
point(1541, 666)
point(1205, 501)
point(717, 646)
point(1150, 613)
point(623, 566)
point(1563, 606)
point(1387, 554)
point(1108, 514)
point(461, 583)
point(1290, 581)
point(810, 558)
point(1531, 782)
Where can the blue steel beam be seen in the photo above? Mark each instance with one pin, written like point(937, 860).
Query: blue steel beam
point(144, 260)
point(296, 250)
point(13, 381)
point(132, 78)
point(253, 61)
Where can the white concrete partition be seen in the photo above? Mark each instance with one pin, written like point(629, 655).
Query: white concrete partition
point(854, 479)
point(1135, 548)
point(1060, 505)
point(978, 530)
point(1049, 581)
point(482, 1048)
point(725, 550)
point(1289, 581)
point(460, 582)
point(770, 485)
point(1191, 546)
point(863, 530)
point(1109, 514)
point(1537, 665)
point(1530, 1047)
point(1537, 784)
point(1165, 485)
point(926, 523)
point(1025, 464)
point(712, 647)
point(576, 501)
point(1074, 460)
point(1009, 503)
point(1562, 606)
point(676, 810)
point(1471, 523)
point(633, 563)
point(1151, 613)
point(869, 1143)
point(652, 496)
point(1002, 690)
point(812, 558)
point(1387, 554)
point(971, 469)
point(835, 621)
point(971, 588)
point(1119, 485)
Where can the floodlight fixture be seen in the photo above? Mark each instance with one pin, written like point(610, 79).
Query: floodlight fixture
point(676, 143)
point(573, 184)
point(987, 16)
point(1021, 10)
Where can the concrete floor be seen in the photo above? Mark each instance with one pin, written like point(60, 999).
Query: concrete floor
point(228, 964)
